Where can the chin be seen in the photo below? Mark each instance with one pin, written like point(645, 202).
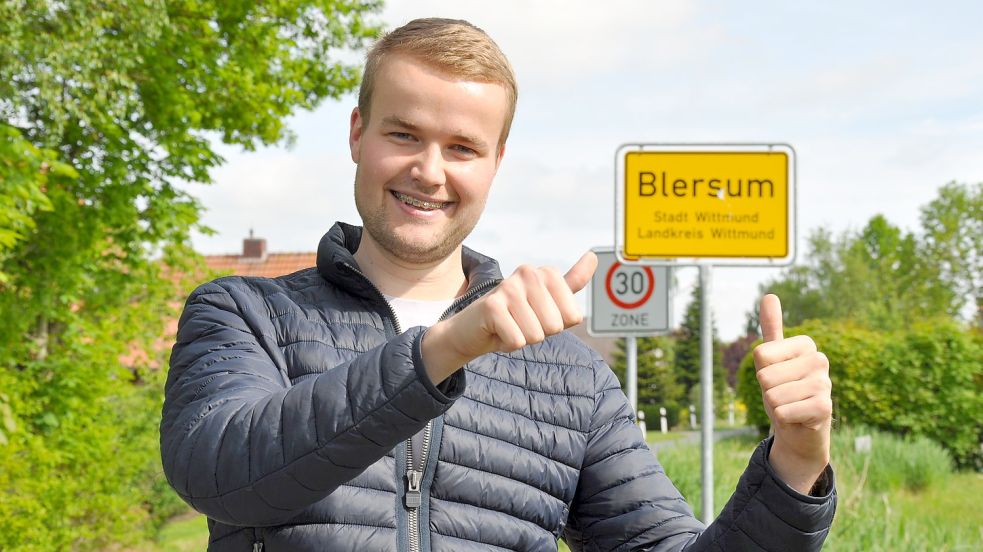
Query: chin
point(418, 249)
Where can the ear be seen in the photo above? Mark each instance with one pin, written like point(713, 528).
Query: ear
point(355, 133)
point(498, 158)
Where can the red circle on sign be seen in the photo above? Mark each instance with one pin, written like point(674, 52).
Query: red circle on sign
point(614, 298)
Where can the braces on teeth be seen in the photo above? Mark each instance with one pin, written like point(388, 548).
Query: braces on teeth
point(416, 202)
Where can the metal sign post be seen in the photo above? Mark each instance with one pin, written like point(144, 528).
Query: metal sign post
point(631, 371)
point(705, 205)
point(628, 301)
point(706, 395)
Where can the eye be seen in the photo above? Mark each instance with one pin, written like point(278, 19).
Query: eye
point(401, 136)
point(464, 150)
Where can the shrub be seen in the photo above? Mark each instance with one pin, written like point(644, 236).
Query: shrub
point(926, 380)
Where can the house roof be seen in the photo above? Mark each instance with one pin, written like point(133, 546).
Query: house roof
point(269, 266)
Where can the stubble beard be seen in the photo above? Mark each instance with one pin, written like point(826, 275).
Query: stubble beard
point(441, 246)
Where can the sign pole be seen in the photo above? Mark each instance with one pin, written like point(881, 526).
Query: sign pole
point(631, 354)
point(706, 388)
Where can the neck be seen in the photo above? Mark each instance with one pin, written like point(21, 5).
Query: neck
point(443, 279)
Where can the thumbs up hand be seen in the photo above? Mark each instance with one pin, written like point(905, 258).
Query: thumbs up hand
point(527, 307)
point(796, 391)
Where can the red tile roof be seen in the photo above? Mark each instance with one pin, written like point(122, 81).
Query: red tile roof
point(273, 265)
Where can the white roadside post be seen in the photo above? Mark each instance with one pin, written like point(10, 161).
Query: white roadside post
point(663, 422)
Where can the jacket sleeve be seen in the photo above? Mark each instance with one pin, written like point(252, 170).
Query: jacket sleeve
point(625, 501)
point(244, 447)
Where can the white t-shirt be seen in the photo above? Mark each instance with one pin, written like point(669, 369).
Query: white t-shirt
point(414, 312)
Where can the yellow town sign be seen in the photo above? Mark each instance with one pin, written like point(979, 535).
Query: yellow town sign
point(707, 202)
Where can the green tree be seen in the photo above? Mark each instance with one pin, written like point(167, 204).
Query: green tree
point(105, 108)
point(687, 361)
point(882, 277)
point(953, 239)
point(658, 385)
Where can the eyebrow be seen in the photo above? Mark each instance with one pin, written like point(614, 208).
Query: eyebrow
point(396, 121)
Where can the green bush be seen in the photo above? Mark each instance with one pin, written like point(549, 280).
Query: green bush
point(79, 469)
point(925, 380)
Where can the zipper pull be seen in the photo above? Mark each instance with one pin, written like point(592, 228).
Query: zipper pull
point(258, 546)
point(413, 478)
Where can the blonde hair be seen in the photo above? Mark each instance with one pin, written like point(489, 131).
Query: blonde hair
point(454, 46)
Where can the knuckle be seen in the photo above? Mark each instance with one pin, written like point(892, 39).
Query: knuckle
point(808, 343)
point(571, 314)
point(508, 287)
point(771, 398)
point(759, 356)
point(553, 327)
point(764, 380)
point(515, 342)
point(826, 406)
point(573, 318)
point(527, 273)
point(782, 415)
point(823, 361)
point(549, 273)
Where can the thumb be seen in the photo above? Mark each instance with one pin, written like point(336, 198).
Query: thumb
point(581, 272)
point(770, 318)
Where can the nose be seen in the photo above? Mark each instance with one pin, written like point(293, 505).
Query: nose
point(428, 169)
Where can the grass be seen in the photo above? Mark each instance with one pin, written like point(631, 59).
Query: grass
point(904, 499)
point(185, 533)
point(658, 436)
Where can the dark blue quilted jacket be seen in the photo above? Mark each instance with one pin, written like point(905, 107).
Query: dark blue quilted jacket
point(290, 404)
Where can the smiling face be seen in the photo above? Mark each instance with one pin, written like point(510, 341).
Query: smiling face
point(426, 158)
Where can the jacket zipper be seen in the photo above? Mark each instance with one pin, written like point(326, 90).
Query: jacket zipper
point(414, 477)
point(414, 497)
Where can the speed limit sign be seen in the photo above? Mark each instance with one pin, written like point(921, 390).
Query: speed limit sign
point(628, 299)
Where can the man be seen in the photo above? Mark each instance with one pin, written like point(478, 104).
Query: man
point(403, 396)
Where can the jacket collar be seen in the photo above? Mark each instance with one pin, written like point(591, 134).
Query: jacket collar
point(336, 259)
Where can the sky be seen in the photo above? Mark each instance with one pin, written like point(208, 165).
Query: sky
point(882, 101)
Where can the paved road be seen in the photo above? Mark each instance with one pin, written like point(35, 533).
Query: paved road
point(694, 437)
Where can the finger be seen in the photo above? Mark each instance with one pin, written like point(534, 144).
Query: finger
point(771, 352)
point(813, 412)
point(544, 305)
point(533, 304)
point(527, 321)
point(566, 304)
point(795, 391)
point(581, 272)
point(770, 318)
point(500, 324)
point(792, 370)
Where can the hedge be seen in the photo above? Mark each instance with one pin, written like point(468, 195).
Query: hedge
point(925, 380)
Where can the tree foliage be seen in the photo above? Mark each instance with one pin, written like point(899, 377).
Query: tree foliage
point(658, 385)
point(883, 277)
point(924, 380)
point(106, 108)
point(688, 355)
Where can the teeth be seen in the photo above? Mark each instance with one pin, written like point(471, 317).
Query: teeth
point(428, 205)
